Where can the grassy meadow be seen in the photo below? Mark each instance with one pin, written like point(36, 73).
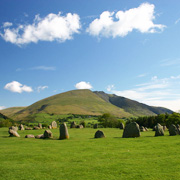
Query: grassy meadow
point(83, 157)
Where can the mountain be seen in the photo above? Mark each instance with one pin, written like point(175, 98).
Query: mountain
point(11, 111)
point(133, 107)
point(72, 102)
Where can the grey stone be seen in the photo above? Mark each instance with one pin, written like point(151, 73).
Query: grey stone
point(142, 129)
point(159, 130)
point(13, 133)
point(173, 130)
point(14, 128)
point(63, 131)
point(48, 134)
point(40, 125)
point(131, 130)
point(99, 134)
point(28, 128)
point(73, 124)
point(36, 128)
point(29, 136)
point(40, 136)
point(54, 125)
point(21, 127)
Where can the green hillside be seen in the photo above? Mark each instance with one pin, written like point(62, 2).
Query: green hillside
point(72, 102)
point(131, 106)
point(11, 111)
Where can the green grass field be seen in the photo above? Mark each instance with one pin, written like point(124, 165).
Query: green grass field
point(83, 157)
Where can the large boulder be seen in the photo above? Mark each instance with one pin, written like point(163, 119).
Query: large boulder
point(173, 130)
point(131, 130)
point(21, 127)
point(29, 136)
point(14, 128)
point(63, 131)
point(54, 125)
point(13, 133)
point(40, 136)
point(48, 134)
point(121, 125)
point(73, 124)
point(159, 130)
point(99, 134)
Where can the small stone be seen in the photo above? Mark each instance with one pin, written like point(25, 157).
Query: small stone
point(173, 130)
point(49, 127)
point(29, 136)
point(41, 136)
point(159, 130)
point(54, 125)
point(73, 124)
point(36, 128)
point(48, 134)
point(99, 134)
point(40, 126)
point(21, 127)
point(28, 128)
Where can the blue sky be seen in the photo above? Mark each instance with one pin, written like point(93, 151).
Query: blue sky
point(129, 48)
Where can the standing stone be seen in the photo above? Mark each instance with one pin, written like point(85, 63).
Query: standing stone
point(63, 131)
point(14, 128)
point(48, 134)
point(54, 125)
point(99, 134)
point(13, 133)
point(121, 125)
point(73, 124)
point(49, 127)
point(146, 129)
point(131, 130)
point(40, 125)
point(95, 126)
point(154, 128)
point(29, 136)
point(21, 127)
point(159, 130)
point(173, 130)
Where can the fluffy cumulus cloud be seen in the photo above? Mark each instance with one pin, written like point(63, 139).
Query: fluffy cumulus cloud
point(157, 92)
point(52, 27)
point(41, 88)
point(15, 86)
point(111, 24)
point(2, 107)
point(83, 85)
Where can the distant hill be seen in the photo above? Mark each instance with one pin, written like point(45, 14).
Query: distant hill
point(72, 102)
point(11, 111)
point(133, 107)
point(3, 117)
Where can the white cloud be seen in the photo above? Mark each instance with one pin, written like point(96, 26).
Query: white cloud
point(83, 85)
point(157, 92)
point(41, 88)
point(52, 27)
point(121, 23)
point(177, 21)
point(7, 24)
point(170, 62)
point(15, 86)
point(2, 107)
point(45, 68)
